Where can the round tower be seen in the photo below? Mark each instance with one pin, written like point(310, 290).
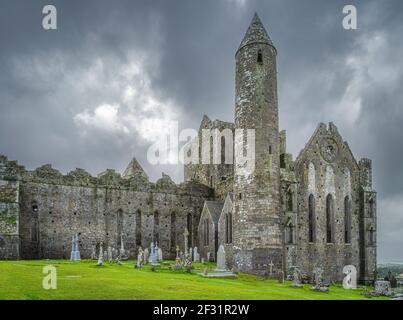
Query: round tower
point(257, 230)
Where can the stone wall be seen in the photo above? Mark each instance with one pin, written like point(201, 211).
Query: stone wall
point(51, 207)
point(103, 214)
point(9, 220)
point(326, 167)
point(212, 171)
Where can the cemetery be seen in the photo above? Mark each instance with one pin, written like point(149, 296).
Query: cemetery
point(109, 275)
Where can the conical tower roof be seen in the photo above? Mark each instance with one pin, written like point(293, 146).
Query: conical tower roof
point(133, 168)
point(256, 33)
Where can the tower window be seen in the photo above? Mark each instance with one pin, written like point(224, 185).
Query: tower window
point(259, 57)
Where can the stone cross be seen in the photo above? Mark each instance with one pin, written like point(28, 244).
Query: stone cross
point(122, 247)
point(146, 255)
point(271, 265)
point(140, 258)
point(177, 251)
point(186, 235)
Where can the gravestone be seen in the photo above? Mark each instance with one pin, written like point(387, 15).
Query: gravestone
point(221, 269)
point(153, 254)
point(100, 256)
point(221, 266)
point(75, 251)
point(271, 265)
point(94, 253)
point(296, 278)
point(350, 277)
point(281, 276)
point(317, 278)
point(178, 263)
point(202, 260)
point(140, 258)
point(159, 254)
point(146, 255)
point(208, 256)
point(196, 255)
point(187, 261)
point(122, 251)
point(191, 253)
point(382, 288)
point(110, 255)
point(73, 248)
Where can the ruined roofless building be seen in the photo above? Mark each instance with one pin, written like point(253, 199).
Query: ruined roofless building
point(318, 210)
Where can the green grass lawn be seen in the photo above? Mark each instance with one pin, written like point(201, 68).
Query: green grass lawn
point(83, 280)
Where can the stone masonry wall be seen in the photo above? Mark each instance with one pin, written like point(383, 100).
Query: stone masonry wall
point(321, 172)
point(9, 220)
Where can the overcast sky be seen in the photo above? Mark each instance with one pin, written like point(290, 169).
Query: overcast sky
point(94, 93)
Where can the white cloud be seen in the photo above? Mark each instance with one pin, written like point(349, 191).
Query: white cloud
point(104, 117)
point(134, 107)
point(238, 3)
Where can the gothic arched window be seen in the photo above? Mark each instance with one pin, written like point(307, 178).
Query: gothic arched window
point(35, 230)
point(223, 150)
point(138, 228)
point(206, 232)
point(156, 234)
point(311, 217)
point(35, 223)
point(228, 228)
point(329, 218)
point(119, 226)
point(371, 209)
point(347, 220)
point(371, 236)
point(289, 201)
point(190, 228)
point(289, 233)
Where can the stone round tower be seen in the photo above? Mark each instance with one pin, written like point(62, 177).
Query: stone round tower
point(257, 230)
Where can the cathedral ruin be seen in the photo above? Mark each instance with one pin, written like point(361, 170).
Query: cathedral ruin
point(318, 210)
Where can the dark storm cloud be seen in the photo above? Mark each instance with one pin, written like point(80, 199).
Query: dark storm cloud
point(91, 93)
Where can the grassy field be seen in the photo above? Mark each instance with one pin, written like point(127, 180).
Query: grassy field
point(83, 280)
